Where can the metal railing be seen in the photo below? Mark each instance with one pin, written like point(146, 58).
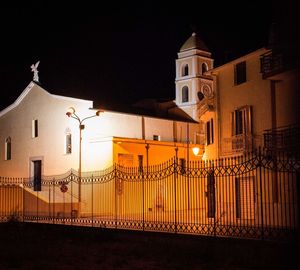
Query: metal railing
point(232, 197)
point(283, 139)
point(237, 144)
point(271, 63)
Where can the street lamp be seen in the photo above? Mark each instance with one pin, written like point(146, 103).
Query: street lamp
point(196, 150)
point(71, 113)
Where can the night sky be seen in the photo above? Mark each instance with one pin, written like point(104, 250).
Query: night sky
point(121, 53)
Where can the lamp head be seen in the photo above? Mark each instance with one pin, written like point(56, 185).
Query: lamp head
point(196, 150)
point(70, 111)
point(98, 112)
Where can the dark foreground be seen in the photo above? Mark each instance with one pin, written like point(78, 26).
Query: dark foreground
point(42, 246)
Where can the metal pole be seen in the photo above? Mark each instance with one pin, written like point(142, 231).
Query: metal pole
point(175, 190)
point(79, 171)
point(92, 201)
point(261, 192)
point(71, 113)
point(23, 194)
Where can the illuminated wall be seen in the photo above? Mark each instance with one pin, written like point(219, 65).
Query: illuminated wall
point(50, 143)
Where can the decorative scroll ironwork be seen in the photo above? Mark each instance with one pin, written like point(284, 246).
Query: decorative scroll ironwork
point(252, 196)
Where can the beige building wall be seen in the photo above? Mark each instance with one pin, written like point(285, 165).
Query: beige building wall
point(255, 92)
point(272, 101)
point(287, 88)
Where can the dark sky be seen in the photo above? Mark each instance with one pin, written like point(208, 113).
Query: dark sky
point(119, 53)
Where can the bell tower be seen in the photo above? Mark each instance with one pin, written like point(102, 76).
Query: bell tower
point(194, 88)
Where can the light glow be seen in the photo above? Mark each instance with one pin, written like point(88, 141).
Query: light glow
point(196, 151)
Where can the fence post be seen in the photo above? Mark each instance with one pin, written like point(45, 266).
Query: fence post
point(261, 192)
point(37, 202)
point(116, 208)
point(175, 190)
point(72, 210)
point(53, 183)
point(143, 197)
point(49, 200)
point(23, 195)
point(92, 201)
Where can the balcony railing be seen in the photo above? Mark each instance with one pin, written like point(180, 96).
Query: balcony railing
point(283, 139)
point(271, 64)
point(237, 144)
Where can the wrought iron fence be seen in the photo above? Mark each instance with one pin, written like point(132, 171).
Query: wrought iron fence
point(251, 196)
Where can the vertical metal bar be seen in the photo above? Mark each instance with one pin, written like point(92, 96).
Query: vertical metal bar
point(23, 199)
point(49, 200)
point(37, 205)
point(72, 210)
point(175, 190)
point(143, 200)
point(115, 188)
point(53, 181)
point(92, 201)
point(261, 192)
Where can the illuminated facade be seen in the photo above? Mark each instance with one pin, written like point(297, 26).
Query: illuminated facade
point(38, 136)
point(229, 111)
point(245, 104)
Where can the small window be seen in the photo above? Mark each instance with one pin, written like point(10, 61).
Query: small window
point(204, 68)
point(185, 94)
point(185, 70)
point(240, 73)
point(156, 138)
point(35, 132)
point(68, 143)
point(8, 148)
point(140, 157)
point(209, 127)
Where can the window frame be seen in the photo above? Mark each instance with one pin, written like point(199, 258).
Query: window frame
point(68, 143)
point(240, 73)
point(185, 70)
point(156, 137)
point(35, 128)
point(185, 94)
point(209, 131)
point(245, 115)
point(8, 148)
point(205, 69)
point(140, 163)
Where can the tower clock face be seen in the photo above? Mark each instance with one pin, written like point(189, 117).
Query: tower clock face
point(206, 90)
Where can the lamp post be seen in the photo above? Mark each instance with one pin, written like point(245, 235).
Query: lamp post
point(71, 113)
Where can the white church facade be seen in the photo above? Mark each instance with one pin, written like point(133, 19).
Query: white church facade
point(38, 135)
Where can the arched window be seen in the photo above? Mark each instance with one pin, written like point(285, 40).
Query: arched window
point(185, 94)
point(8, 148)
point(185, 70)
point(204, 68)
point(68, 141)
